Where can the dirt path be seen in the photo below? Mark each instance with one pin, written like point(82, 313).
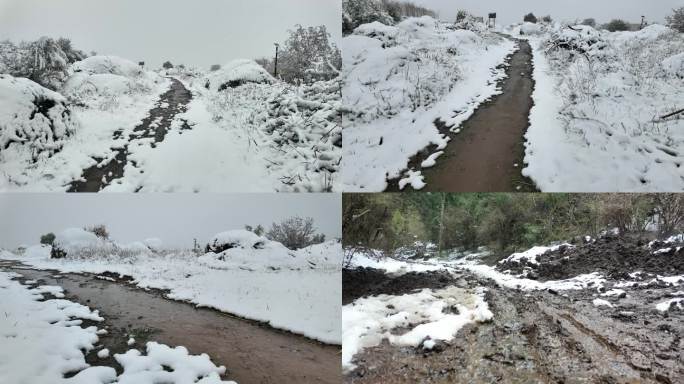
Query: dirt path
point(154, 126)
point(535, 337)
point(487, 155)
point(252, 353)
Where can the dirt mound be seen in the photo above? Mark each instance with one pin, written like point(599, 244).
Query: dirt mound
point(614, 256)
point(361, 282)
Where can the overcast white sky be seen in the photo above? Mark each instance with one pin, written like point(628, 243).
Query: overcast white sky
point(512, 11)
point(175, 218)
point(194, 32)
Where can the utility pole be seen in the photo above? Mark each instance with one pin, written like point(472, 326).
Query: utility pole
point(275, 65)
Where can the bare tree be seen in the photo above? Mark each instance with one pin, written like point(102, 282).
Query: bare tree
point(295, 232)
point(669, 211)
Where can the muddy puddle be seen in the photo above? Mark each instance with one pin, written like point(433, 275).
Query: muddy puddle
point(535, 337)
point(487, 156)
point(153, 128)
point(251, 353)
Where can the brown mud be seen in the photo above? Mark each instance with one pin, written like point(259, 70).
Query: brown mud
point(153, 127)
point(613, 256)
point(535, 337)
point(487, 155)
point(250, 353)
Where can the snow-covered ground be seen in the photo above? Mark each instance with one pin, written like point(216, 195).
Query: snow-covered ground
point(398, 80)
point(248, 131)
point(368, 321)
point(598, 101)
point(299, 291)
point(42, 340)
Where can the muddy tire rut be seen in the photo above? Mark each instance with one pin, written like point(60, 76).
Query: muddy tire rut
point(251, 352)
point(152, 128)
point(538, 337)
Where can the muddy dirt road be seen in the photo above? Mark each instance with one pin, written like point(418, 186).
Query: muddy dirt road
point(487, 155)
point(154, 127)
point(251, 353)
point(535, 337)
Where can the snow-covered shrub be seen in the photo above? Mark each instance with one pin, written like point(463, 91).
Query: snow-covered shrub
point(416, 70)
point(241, 249)
point(235, 74)
point(471, 23)
point(33, 117)
point(616, 25)
point(109, 65)
point(388, 12)
point(45, 61)
point(73, 242)
point(358, 12)
point(238, 238)
point(306, 123)
point(674, 65)
point(101, 81)
point(531, 29)
point(376, 30)
point(581, 38)
point(676, 20)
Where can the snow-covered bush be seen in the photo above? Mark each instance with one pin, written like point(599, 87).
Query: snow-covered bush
point(237, 238)
point(674, 65)
point(107, 65)
point(101, 81)
point(531, 29)
point(235, 74)
point(306, 122)
point(33, 117)
point(45, 61)
point(241, 249)
point(73, 242)
point(298, 128)
point(390, 70)
point(376, 30)
point(388, 12)
point(676, 20)
point(469, 22)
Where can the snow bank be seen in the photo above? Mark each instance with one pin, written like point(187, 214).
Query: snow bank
point(32, 118)
point(241, 249)
point(111, 65)
point(531, 254)
point(392, 266)
point(237, 73)
point(40, 341)
point(397, 81)
point(428, 315)
point(153, 367)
